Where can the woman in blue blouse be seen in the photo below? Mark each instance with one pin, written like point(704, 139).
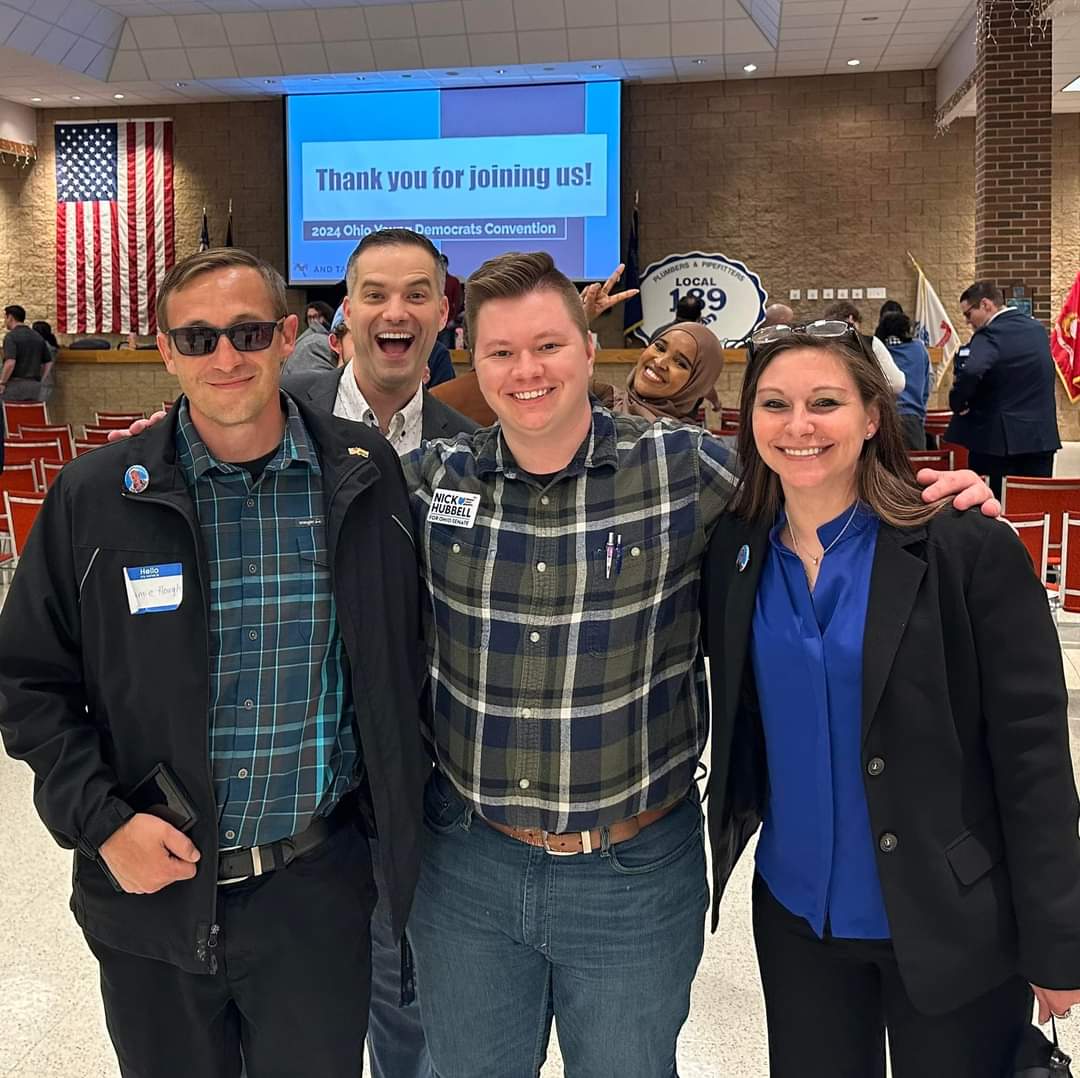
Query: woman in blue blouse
point(888, 697)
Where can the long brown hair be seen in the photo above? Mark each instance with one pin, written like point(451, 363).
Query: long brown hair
point(884, 479)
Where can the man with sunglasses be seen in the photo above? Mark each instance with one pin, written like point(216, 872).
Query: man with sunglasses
point(186, 663)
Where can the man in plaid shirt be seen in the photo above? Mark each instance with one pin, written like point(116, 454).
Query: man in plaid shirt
point(564, 873)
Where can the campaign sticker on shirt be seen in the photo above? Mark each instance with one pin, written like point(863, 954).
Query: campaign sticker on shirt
point(154, 589)
point(453, 507)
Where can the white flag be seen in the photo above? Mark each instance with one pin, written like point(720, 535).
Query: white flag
point(932, 325)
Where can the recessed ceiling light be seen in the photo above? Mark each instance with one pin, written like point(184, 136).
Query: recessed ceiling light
point(1072, 88)
point(854, 63)
point(75, 97)
point(118, 97)
point(699, 61)
point(35, 99)
point(749, 68)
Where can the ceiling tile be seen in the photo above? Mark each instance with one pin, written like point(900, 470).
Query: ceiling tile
point(127, 66)
point(303, 59)
point(397, 54)
point(127, 38)
point(28, 34)
point(350, 55)
point(591, 13)
point(212, 63)
point(295, 27)
point(50, 10)
point(98, 68)
point(9, 19)
point(542, 46)
point(530, 15)
point(200, 30)
point(441, 18)
point(166, 64)
point(697, 38)
point(390, 21)
point(156, 32)
point(642, 42)
point(450, 51)
point(257, 60)
point(248, 28)
point(638, 12)
point(55, 46)
point(488, 16)
point(79, 15)
point(595, 43)
point(81, 54)
point(493, 50)
point(342, 24)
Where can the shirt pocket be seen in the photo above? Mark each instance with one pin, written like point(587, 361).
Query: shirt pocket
point(620, 601)
point(307, 610)
point(457, 562)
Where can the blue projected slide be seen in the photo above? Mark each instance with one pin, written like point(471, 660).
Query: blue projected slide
point(479, 171)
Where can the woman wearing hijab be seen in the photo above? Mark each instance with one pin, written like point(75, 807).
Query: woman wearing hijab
point(674, 374)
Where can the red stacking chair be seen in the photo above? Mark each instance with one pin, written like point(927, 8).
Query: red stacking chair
point(47, 473)
point(1070, 563)
point(1034, 532)
point(21, 511)
point(85, 447)
point(16, 413)
point(20, 478)
point(117, 420)
point(1025, 494)
point(19, 452)
point(56, 430)
point(959, 452)
point(941, 459)
point(97, 435)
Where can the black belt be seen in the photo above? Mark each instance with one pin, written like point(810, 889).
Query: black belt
point(251, 861)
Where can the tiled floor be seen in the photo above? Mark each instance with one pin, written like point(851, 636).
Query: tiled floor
point(50, 1014)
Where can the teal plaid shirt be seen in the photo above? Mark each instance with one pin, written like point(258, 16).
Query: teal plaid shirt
point(283, 746)
point(567, 694)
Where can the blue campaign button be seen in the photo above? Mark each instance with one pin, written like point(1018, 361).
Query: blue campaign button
point(742, 559)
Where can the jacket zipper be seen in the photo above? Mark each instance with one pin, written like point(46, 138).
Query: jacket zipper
point(204, 946)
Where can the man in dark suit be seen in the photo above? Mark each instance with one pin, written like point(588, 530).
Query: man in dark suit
point(394, 310)
point(1003, 395)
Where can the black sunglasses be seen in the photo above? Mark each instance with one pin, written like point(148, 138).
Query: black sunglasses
point(244, 337)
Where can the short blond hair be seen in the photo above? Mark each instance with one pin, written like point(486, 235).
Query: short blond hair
point(513, 275)
point(218, 258)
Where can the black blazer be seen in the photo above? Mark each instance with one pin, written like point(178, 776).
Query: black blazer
point(319, 390)
point(965, 752)
point(1007, 386)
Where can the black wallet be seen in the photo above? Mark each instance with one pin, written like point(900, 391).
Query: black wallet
point(160, 794)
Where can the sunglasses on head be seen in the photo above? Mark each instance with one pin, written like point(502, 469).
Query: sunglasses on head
point(243, 336)
point(826, 329)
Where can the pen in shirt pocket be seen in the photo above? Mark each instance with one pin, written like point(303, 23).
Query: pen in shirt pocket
point(613, 552)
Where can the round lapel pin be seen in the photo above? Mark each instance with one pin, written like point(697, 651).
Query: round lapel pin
point(742, 559)
point(136, 479)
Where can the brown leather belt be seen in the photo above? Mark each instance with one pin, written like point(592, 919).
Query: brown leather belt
point(571, 842)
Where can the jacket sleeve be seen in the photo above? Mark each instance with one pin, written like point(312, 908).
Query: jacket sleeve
point(1025, 708)
point(981, 358)
point(893, 374)
point(927, 378)
point(43, 714)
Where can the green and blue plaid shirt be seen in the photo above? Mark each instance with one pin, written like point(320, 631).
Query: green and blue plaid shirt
point(567, 694)
point(283, 746)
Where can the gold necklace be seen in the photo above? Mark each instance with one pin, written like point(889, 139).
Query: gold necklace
point(817, 560)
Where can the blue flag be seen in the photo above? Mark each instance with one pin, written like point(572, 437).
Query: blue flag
point(632, 312)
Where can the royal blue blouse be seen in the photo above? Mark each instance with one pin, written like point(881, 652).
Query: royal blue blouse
point(816, 851)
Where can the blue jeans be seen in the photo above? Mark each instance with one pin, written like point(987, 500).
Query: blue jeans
point(507, 936)
point(395, 1038)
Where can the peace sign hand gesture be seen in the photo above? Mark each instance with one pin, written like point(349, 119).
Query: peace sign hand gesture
point(597, 298)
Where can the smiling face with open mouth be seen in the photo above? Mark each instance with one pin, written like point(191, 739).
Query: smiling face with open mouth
point(666, 365)
point(395, 310)
point(810, 423)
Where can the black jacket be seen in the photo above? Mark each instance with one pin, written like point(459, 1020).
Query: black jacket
point(319, 389)
point(1007, 386)
point(92, 697)
point(964, 719)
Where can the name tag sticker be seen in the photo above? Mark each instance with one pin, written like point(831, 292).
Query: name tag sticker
point(453, 507)
point(154, 589)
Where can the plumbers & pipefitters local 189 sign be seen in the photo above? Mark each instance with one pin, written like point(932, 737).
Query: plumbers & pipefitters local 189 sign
point(733, 297)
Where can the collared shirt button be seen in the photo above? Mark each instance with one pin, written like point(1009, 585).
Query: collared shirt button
point(888, 842)
point(242, 773)
point(230, 834)
point(249, 704)
point(526, 712)
point(541, 566)
point(253, 568)
point(635, 551)
point(875, 766)
point(252, 634)
point(523, 783)
point(250, 503)
point(544, 499)
point(534, 637)
point(456, 548)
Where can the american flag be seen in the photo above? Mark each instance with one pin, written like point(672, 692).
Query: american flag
point(114, 223)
